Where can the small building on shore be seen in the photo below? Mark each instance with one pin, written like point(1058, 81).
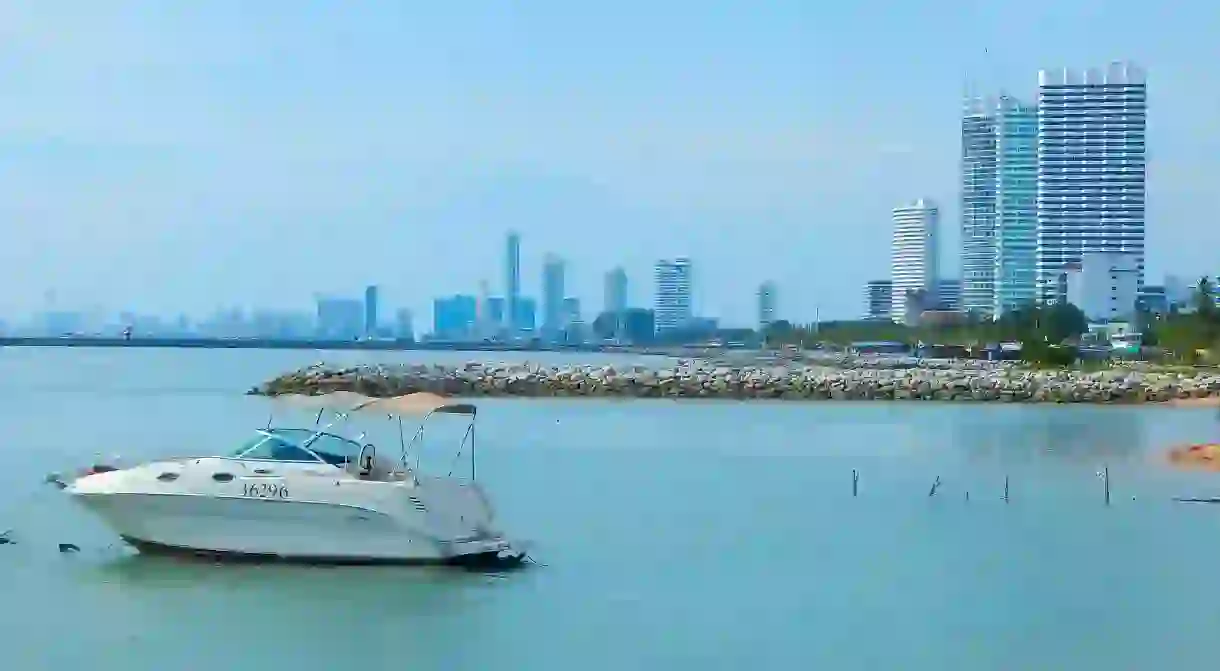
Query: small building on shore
point(880, 347)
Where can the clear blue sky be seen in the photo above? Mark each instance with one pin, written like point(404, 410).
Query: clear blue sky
point(169, 157)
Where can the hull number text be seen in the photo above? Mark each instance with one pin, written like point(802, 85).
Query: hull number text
point(264, 490)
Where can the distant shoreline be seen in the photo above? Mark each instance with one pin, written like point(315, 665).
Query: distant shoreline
point(319, 344)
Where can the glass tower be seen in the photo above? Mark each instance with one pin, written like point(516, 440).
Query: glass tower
point(978, 207)
point(512, 281)
point(552, 294)
point(1016, 205)
point(999, 198)
point(672, 303)
point(1091, 168)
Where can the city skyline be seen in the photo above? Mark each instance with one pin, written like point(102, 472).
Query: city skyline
point(484, 313)
point(144, 151)
point(1018, 211)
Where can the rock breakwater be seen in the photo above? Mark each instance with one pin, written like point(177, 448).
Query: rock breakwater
point(938, 381)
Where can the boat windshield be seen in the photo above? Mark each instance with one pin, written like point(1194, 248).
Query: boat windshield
point(296, 445)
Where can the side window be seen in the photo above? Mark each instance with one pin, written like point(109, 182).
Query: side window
point(276, 449)
point(284, 451)
point(335, 450)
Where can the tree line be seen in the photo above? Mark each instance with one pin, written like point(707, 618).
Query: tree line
point(1190, 335)
point(1046, 333)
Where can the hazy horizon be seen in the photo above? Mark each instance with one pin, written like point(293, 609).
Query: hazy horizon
point(176, 158)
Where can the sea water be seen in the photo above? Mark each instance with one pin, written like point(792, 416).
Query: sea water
point(673, 535)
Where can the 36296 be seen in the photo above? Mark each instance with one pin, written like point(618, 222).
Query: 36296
point(264, 490)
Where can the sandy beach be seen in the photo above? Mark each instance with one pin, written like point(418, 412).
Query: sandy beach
point(1205, 402)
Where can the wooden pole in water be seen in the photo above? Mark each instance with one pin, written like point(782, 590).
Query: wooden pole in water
point(935, 485)
point(1005, 489)
point(855, 482)
point(1105, 478)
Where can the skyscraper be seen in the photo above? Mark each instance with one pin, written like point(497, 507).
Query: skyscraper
point(455, 317)
point(672, 302)
point(1091, 168)
point(512, 281)
point(404, 324)
point(878, 299)
point(978, 202)
point(1016, 205)
point(998, 199)
point(526, 309)
point(571, 311)
point(343, 318)
point(913, 261)
point(370, 311)
point(485, 323)
point(552, 294)
point(767, 298)
point(615, 291)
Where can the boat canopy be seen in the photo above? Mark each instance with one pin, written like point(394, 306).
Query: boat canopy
point(336, 401)
point(419, 403)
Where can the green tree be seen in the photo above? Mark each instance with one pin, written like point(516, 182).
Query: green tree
point(1185, 335)
point(1029, 324)
point(780, 332)
point(1042, 330)
point(1054, 324)
point(1146, 322)
point(1063, 321)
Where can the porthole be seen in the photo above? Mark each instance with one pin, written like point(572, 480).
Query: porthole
point(167, 477)
point(222, 477)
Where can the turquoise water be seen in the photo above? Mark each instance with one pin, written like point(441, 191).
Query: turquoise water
point(676, 535)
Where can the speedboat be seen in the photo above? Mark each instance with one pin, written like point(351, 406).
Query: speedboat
point(308, 494)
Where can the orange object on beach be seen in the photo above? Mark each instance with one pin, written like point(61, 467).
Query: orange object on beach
point(1197, 454)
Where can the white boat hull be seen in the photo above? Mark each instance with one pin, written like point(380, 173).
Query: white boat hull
point(394, 525)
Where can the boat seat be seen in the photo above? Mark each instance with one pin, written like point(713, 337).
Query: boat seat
point(381, 472)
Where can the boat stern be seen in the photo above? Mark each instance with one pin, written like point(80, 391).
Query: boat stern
point(485, 552)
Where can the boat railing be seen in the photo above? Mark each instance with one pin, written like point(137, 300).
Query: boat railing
point(417, 440)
